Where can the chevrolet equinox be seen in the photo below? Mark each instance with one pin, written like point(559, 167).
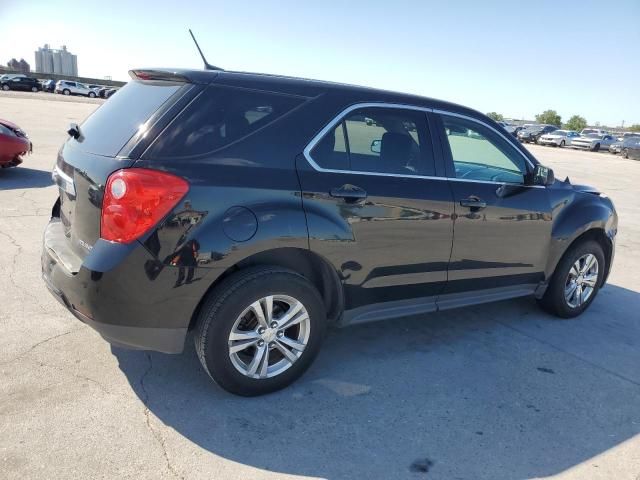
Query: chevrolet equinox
point(255, 210)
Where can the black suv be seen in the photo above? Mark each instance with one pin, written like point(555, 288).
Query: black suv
point(26, 84)
point(533, 133)
point(255, 210)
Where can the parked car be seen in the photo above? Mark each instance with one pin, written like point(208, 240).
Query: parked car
point(48, 85)
point(632, 149)
point(558, 138)
point(593, 131)
point(255, 210)
point(618, 146)
point(14, 144)
point(513, 129)
point(110, 92)
point(25, 84)
point(626, 135)
point(68, 87)
point(102, 91)
point(593, 141)
point(534, 132)
point(9, 76)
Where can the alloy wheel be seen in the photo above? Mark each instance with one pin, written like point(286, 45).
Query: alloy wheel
point(581, 280)
point(269, 336)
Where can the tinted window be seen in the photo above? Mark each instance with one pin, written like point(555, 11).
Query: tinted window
point(378, 140)
point(116, 121)
point(218, 117)
point(479, 154)
point(331, 151)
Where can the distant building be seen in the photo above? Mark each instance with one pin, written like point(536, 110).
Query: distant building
point(19, 66)
point(61, 62)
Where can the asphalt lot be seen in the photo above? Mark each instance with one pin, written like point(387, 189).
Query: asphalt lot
point(499, 391)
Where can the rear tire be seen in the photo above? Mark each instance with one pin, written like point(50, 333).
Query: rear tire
point(230, 319)
point(92, 95)
point(34, 89)
point(558, 299)
point(5, 88)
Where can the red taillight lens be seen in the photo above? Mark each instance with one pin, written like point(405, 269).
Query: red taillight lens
point(135, 200)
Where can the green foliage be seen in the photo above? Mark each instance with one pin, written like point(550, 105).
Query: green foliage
point(549, 117)
point(576, 123)
point(635, 127)
point(495, 116)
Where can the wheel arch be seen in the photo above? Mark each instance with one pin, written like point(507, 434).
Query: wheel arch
point(585, 216)
point(597, 234)
point(310, 265)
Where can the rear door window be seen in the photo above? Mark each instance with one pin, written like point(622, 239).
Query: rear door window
point(378, 140)
point(109, 128)
point(218, 117)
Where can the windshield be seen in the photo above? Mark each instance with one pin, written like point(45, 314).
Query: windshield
point(559, 132)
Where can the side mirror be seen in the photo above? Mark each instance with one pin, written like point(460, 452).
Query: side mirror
point(376, 146)
point(543, 176)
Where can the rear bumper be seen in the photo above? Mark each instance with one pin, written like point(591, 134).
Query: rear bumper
point(123, 293)
point(166, 340)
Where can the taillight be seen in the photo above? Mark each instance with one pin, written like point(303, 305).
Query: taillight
point(135, 200)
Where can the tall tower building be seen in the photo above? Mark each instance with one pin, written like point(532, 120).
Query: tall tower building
point(61, 61)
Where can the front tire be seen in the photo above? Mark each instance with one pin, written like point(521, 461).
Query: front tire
point(576, 280)
point(562, 144)
point(66, 91)
point(5, 88)
point(92, 95)
point(260, 330)
point(596, 148)
point(625, 153)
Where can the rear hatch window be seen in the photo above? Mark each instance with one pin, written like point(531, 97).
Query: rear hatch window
point(109, 128)
point(218, 117)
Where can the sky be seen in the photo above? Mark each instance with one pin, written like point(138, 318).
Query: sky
point(518, 59)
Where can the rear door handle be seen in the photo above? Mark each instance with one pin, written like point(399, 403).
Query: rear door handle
point(473, 202)
point(351, 193)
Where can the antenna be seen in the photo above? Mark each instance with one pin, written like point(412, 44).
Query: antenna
point(207, 65)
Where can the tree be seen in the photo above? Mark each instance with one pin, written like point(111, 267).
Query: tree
point(576, 123)
point(635, 127)
point(549, 117)
point(495, 116)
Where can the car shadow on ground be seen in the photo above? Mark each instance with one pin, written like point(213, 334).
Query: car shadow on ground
point(497, 391)
point(18, 178)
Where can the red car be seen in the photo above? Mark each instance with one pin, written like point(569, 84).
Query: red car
point(13, 144)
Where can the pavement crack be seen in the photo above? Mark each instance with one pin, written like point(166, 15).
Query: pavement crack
point(156, 434)
point(13, 269)
point(36, 345)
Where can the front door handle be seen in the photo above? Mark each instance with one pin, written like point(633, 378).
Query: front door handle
point(474, 203)
point(350, 193)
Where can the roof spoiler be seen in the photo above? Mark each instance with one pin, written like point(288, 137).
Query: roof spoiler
point(161, 75)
